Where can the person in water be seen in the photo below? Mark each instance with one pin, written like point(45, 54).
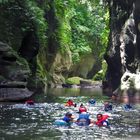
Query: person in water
point(70, 103)
point(102, 120)
point(82, 108)
point(68, 118)
point(65, 121)
point(83, 119)
point(127, 106)
point(29, 102)
point(107, 106)
point(92, 101)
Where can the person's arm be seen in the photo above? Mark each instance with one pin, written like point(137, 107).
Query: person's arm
point(92, 122)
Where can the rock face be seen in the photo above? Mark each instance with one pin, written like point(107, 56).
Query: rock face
point(60, 68)
point(88, 66)
point(18, 49)
point(123, 51)
point(14, 73)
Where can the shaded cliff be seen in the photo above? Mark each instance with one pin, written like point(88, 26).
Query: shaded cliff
point(19, 45)
point(122, 54)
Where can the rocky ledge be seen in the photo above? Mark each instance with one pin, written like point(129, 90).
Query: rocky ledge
point(14, 94)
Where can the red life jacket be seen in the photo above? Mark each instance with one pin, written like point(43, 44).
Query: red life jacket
point(103, 119)
point(82, 109)
point(29, 102)
point(69, 103)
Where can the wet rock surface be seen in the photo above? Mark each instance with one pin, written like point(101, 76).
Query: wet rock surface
point(14, 73)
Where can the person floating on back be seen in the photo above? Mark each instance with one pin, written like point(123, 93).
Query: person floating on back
point(102, 120)
point(107, 106)
point(82, 108)
point(70, 103)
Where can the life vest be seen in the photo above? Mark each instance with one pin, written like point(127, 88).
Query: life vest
point(82, 109)
point(100, 122)
point(69, 103)
point(83, 119)
point(92, 101)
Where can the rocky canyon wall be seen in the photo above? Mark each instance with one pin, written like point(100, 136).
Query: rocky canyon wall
point(123, 52)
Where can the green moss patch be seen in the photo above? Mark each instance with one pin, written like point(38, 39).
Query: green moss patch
point(73, 80)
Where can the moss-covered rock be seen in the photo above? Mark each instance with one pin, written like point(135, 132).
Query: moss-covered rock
point(73, 80)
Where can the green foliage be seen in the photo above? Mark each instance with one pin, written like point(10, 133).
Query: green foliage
point(89, 29)
point(82, 26)
point(36, 15)
point(64, 12)
point(23, 16)
point(98, 76)
point(73, 80)
point(4, 1)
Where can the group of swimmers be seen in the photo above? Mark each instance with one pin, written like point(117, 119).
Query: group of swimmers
point(84, 117)
point(107, 105)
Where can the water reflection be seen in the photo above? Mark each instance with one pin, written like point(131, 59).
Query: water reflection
point(74, 92)
point(54, 93)
point(129, 97)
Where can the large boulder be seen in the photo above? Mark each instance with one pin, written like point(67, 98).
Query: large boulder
point(14, 74)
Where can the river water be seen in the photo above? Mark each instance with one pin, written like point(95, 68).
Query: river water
point(21, 122)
